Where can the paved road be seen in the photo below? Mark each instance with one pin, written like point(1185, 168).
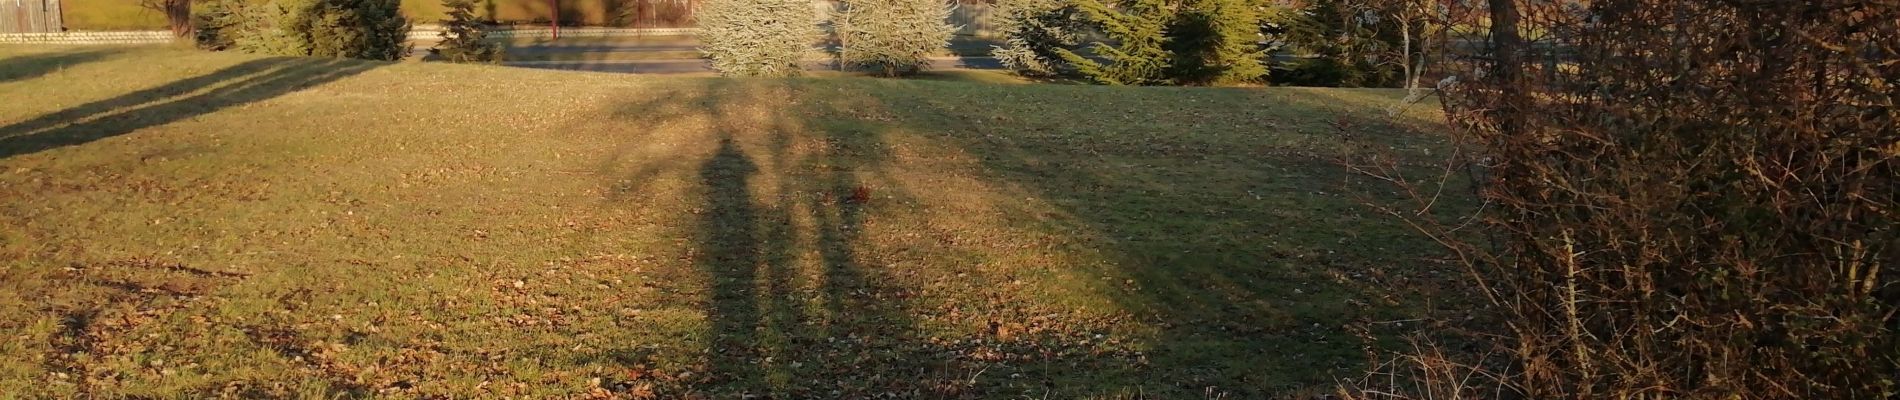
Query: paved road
point(703, 66)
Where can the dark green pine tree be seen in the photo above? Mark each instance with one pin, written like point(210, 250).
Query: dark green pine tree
point(366, 29)
point(1139, 30)
point(1217, 42)
point(1346, 41)
point(463, 39)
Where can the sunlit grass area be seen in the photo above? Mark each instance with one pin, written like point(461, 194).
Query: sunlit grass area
point(668, 47)
point(186, 224)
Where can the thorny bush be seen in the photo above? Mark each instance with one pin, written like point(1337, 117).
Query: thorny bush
point(1681, 199)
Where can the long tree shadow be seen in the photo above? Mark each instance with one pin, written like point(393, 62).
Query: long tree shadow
point(771, 340)
point(236, 85)
point(792, 309)
point(1253, 274)
point(31, 66)
point(815, 213)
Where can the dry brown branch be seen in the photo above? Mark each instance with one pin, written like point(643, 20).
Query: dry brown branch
point(1685, 199)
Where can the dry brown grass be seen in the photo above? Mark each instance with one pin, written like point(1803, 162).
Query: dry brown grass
point(184, 224)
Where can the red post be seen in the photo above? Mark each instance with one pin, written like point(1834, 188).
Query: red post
point(555, 24)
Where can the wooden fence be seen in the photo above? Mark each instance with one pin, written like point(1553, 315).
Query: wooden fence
point(30, 16)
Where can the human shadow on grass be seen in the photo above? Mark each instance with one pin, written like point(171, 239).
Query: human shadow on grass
point(794, 308)
point(1247, 277)
point(767, 338)
point(237, 85)
point(29, 66)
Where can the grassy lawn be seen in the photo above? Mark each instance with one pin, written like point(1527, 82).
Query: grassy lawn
point(614, 48)
point(108, 15)
point(665, 47)
point(185, 224)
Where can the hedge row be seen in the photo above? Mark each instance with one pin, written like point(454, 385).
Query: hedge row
point(108, 15)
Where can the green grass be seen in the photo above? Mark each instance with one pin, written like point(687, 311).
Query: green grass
point(666, 47)
point(108, 15)
point(186, 224)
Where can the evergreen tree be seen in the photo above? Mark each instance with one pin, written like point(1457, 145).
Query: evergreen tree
point(1352, 45)
point(892, 37)
point(757, 37)
point(1140, 55)
point(463, 39)
point(367, 29)
point(1162, 42)
point(1032, 31)
point(1217, 42)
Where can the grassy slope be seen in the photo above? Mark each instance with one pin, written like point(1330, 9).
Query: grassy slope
point(107, 15)
point(181, 223)
point(669, 47)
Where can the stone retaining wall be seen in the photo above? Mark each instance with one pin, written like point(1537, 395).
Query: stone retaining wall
point(123, 37)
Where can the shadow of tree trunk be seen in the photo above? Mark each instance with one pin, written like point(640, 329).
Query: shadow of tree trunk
point(35, 65)
point(236, 85)
point(793, 310)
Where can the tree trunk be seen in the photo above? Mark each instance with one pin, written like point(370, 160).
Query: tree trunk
point(1507, 67)
point(178, 15)
point(1506, 45)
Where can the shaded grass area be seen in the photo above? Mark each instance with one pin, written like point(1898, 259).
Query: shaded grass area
point(193, 224)
point(28, 66)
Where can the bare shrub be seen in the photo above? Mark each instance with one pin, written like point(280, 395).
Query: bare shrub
point(1682, 199)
